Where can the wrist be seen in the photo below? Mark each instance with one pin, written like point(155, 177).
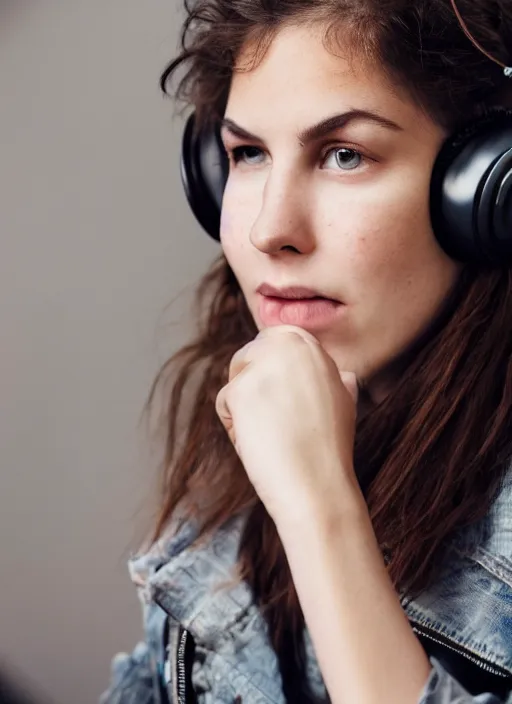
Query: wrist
point(321, 517)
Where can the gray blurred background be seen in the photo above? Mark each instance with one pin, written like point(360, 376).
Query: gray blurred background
point(95, 241)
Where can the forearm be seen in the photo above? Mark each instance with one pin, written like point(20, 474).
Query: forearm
point(365, 646)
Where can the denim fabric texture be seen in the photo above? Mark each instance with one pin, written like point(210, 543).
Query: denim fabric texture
point(195, 588)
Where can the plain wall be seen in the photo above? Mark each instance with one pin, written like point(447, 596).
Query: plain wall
point(96, 241)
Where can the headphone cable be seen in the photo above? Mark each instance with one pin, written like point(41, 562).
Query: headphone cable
point(507, 70)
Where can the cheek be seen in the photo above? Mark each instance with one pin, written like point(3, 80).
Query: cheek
point(383, 232)
point(240, 209)
point(398, 273)
point(225, 223)
point(234, 238)
point(227, 237)
point(391, 267)
point(226, 214)
point(229, 217)
point(233, 214)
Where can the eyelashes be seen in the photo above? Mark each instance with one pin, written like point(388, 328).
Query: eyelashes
point(344, 158)
point(246, 153)
point(340, 157)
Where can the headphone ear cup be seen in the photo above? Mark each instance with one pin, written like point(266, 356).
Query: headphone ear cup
point(204, 172)
point(471, 192)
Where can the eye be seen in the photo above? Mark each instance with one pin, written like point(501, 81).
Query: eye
point(250, 156)
point(343, 158)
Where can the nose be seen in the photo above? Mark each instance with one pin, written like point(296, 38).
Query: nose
point(284, 221)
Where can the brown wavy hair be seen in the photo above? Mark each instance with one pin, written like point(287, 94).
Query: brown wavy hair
point(434, 452)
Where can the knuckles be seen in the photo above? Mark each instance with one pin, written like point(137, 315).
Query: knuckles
point(290, 334)
point(272, 359)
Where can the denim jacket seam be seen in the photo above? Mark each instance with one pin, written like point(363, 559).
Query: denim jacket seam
point(497, 565)
point(471, 645)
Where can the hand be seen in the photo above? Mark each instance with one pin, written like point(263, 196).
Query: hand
point(290, 414)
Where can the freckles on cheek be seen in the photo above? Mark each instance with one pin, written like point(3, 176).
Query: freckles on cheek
point(370, 264)
point(369, 253)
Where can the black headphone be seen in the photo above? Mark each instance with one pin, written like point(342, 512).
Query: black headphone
point(470, 192)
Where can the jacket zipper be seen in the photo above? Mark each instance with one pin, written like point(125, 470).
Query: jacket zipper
point(182, 675)
point(441, 640)
point(417, 628)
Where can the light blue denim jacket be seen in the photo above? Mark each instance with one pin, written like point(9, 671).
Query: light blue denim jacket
point(192, 592)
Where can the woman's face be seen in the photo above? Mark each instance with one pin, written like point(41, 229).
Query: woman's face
point(324, 196)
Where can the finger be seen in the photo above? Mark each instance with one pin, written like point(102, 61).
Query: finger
point(246, 354)
point(287, 330)
point(223, 412)
point(349, 381)
point(242, 358)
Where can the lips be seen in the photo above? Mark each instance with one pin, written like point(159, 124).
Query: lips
point(294, 293)
point(297, 305)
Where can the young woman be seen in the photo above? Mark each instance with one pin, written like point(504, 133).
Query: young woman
point(336, 520)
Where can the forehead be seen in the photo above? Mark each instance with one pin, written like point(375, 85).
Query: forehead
point(301, 79)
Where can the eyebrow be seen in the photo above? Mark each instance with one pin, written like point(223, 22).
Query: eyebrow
point(321, 129)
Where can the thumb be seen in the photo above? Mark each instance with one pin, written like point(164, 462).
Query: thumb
point(349, 381)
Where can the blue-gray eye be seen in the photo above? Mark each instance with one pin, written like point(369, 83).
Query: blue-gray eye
point(248, 155)
point(344, 158)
